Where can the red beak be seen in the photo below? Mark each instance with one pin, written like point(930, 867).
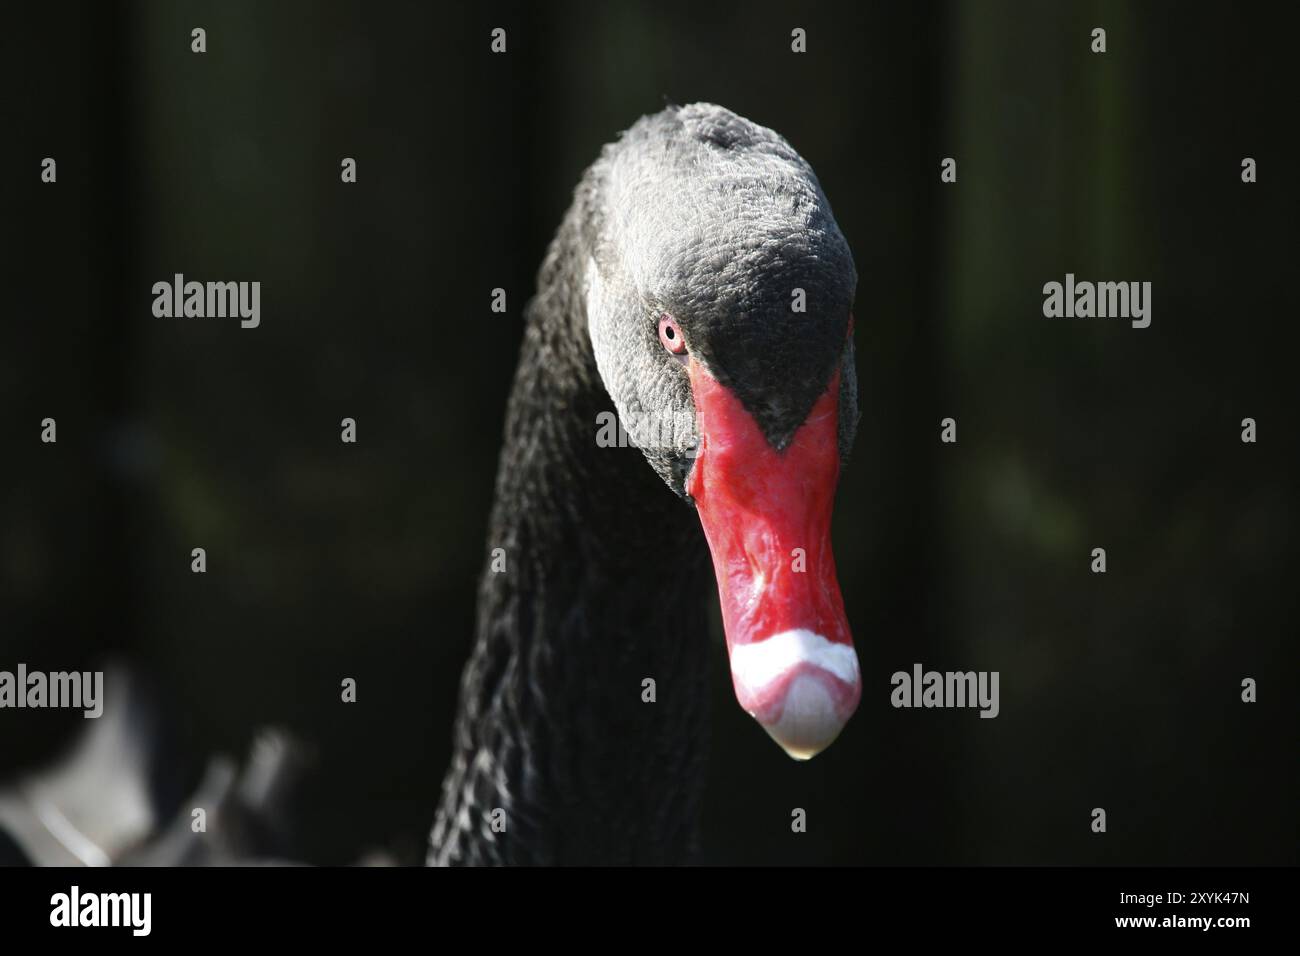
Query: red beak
point(767, 518)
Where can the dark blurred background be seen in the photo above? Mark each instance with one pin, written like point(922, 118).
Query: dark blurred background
point(328, 560)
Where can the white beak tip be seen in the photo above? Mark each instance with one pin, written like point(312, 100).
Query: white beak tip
point(810, 718)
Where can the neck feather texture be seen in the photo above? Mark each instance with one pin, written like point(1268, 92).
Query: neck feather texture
point(605, 584)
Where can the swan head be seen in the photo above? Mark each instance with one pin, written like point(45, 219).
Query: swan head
point(718, 293)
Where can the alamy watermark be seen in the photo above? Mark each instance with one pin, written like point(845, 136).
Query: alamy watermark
point(181, 299)
point(133, 911)
point(672, 433)
point(80, 690)
point(922, 688)
point(1086, 300)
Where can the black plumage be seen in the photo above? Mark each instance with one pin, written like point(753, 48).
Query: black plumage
point(606, 574)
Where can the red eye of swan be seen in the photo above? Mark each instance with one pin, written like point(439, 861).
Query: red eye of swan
point(670, 335)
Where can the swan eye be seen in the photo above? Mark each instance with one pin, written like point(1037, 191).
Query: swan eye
point(670, 335)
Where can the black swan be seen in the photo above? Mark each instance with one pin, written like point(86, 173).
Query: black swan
point(700, 288)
